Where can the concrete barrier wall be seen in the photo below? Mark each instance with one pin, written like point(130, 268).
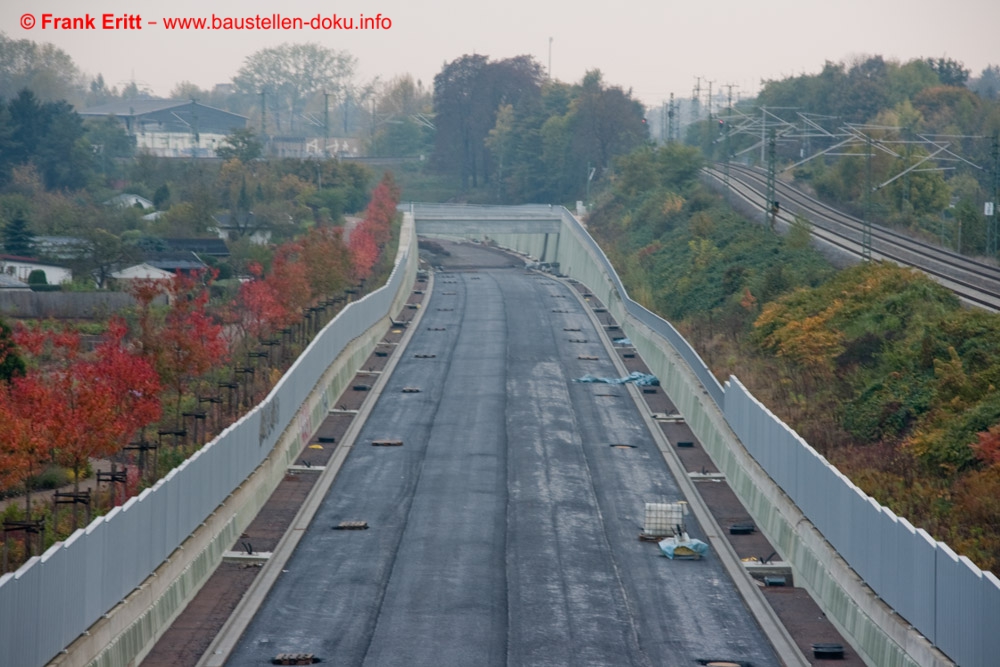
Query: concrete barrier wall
point(65, 305)
point(94, 592)
point(952, 606)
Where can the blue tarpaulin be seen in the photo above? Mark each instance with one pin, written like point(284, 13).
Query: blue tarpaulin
point(682, 546)
point(636, 378)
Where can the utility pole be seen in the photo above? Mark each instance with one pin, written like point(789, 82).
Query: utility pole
point(763, 125)
point(663, 123)
point(710, 100)
point(696, 100)
point(728, 130)
point(992, 229)
point(670, 120)
point(866, 228)
point(772, 202)
point(326, 124)
point(550, 59)
point(263, 113)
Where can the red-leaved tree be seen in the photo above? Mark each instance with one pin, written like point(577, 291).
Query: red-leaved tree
point(184, 342)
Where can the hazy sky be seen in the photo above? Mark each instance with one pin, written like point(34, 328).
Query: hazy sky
point(653, 47)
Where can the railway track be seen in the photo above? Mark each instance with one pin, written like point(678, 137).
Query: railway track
point(973, 282)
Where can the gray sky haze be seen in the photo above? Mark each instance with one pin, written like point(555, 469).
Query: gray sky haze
point(653, 47)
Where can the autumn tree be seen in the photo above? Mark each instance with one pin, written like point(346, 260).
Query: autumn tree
point(26, 414)
point(183, 341)
point(373, 233)
point(327, 260)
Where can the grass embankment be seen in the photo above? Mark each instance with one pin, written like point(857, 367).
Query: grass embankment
point(878, 367)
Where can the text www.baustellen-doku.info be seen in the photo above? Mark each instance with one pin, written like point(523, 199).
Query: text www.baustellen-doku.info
point(51, 21)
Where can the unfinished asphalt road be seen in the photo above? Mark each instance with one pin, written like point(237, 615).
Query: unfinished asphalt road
point(504, 530)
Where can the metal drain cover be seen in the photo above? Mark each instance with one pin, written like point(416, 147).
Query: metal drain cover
point(387, 443)
point(294, 659)
point(347, 525)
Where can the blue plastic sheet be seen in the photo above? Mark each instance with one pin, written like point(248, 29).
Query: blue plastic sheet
point(636, 378)
point(683, 546)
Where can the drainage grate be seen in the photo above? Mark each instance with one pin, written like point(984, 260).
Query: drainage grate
point(774, 581)
point(425, 356)
point(413, 306)
point(685, 443)
point(741, 529)
point(828, 651)
point(387, 443)
point(615, 445)
point(725, 663)
point(649, 390)
point(628, 355)
point(411, 390)
point(381, 353)
point(578, 340)
point(587, 357)
point(446, 310)
point(571, 329)
point(294, 659)
point(351, 525)
point(361, 387)
point(556, 310)
point(436, 329)
point(326, 439)
point(449, 293)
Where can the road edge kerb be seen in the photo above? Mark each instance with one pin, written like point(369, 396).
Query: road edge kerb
point(781, 640)
point(222, 646)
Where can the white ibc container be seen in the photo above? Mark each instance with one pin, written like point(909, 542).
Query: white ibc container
point(664, 518)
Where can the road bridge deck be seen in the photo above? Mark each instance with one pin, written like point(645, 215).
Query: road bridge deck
point(504, 530)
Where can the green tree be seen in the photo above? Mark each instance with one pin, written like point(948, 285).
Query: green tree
point(46, 70)
point(17, 236)
point(11, 363)
point(50, 136)
point(240, 144)
point(950, 72)
point(606, 122)
point(467, 94)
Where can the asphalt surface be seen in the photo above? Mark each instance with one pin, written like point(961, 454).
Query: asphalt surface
point(504, 530)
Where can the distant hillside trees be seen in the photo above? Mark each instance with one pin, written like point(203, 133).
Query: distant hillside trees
point(501, 125)
point(912, 111)
point(48, 71)
point(402, 126)
point(290, 75)
point(47, 135)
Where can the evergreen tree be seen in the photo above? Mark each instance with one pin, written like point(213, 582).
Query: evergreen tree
point(10, 363)
point(17, 238)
